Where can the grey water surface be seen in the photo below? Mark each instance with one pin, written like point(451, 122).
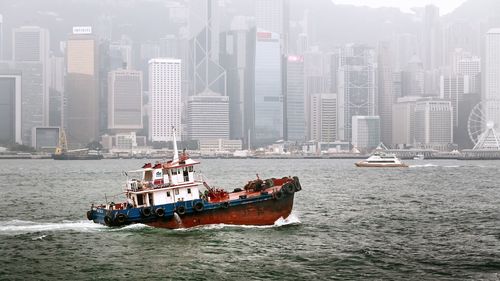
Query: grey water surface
point(437, 220)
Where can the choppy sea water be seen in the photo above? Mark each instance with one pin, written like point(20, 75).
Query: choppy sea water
point(437, 220)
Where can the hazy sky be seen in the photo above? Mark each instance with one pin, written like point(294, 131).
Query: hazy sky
point(446, 6)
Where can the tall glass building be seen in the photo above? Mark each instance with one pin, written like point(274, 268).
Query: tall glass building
point(268, 97)
point(295, 121)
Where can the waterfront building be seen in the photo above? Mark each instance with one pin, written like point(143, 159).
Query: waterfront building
point(295, 121)
point(125, 108)
point(357, 86)
point(323, 117)
point(10, 107)
point(81, 111)
point(45, 138)
point(165, 98)
point(208, 116)
point(433, 124)
point(403, 125)
point(365, 132)
point(220, 145)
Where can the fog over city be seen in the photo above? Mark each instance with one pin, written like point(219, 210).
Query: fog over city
point(281, 76)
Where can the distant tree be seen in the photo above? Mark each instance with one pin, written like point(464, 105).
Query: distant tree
point(94, 145)
point(21, 148)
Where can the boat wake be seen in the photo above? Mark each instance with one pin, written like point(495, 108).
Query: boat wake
point(130, 227)
point(424, 166)
point(15, 227)
point(292, 219)
point(433, 165)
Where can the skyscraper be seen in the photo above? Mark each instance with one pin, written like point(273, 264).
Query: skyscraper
point(385, 92)
point(405, 47)
point(273, 15)
point(237, 50)
point(403, 125)
point(357, 86)
point(30, 53)
point(125, 100)
point(10, 107)
point(81, 112)
point(491, 93)
point(433, 124)
point(295, 121)
point(432, 38)
point(1, 37)
point(413, 78)
point(165, 93)
point(268, 93)
point(323, 117)
point(206, 72)
point(56, 90)
point(365, 132)
point(208, 116)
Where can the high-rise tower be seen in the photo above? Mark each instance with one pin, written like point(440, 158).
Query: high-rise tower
point(165, 93)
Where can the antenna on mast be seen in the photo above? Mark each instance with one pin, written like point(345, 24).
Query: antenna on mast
point(176, 152)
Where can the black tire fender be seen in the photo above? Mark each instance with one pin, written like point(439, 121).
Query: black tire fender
point(89, 215)
point(288, 188)
point(298, 187)
point(198, 206)
point(181, 210)
point(160, 212)
point(107, 220)
point(121, 218)
point(278, 195)
point(146, 211)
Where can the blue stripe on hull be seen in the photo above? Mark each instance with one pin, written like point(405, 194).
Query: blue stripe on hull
point(135, 215)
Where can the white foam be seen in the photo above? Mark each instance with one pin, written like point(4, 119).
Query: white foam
point(423, 166)
point(23, 227)
point(135, 226)
point(290, 220)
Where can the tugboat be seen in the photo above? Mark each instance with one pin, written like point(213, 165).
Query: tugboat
point(169, 195)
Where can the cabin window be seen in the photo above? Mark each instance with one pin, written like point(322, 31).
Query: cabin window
point(189, 190)
point(190, 168)
point(176, 192)
point(148, 175)
point(168, 193)
point(186, 174)
point(139, 200)
point(151, 199)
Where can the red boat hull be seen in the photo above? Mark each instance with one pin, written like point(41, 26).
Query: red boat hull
point(259, 213)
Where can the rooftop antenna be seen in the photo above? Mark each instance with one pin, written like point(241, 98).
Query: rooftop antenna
point(176, 152)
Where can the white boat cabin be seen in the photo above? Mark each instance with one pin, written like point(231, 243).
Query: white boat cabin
point(166, 183)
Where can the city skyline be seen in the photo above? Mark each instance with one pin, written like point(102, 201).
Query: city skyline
point(447, 6)
point(259, 73)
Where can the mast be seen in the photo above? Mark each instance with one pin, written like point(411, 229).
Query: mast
point(176, 152)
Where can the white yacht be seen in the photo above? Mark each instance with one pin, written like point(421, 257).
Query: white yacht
point(381, 159)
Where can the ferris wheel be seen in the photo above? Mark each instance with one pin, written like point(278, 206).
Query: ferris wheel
point(478, 126)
